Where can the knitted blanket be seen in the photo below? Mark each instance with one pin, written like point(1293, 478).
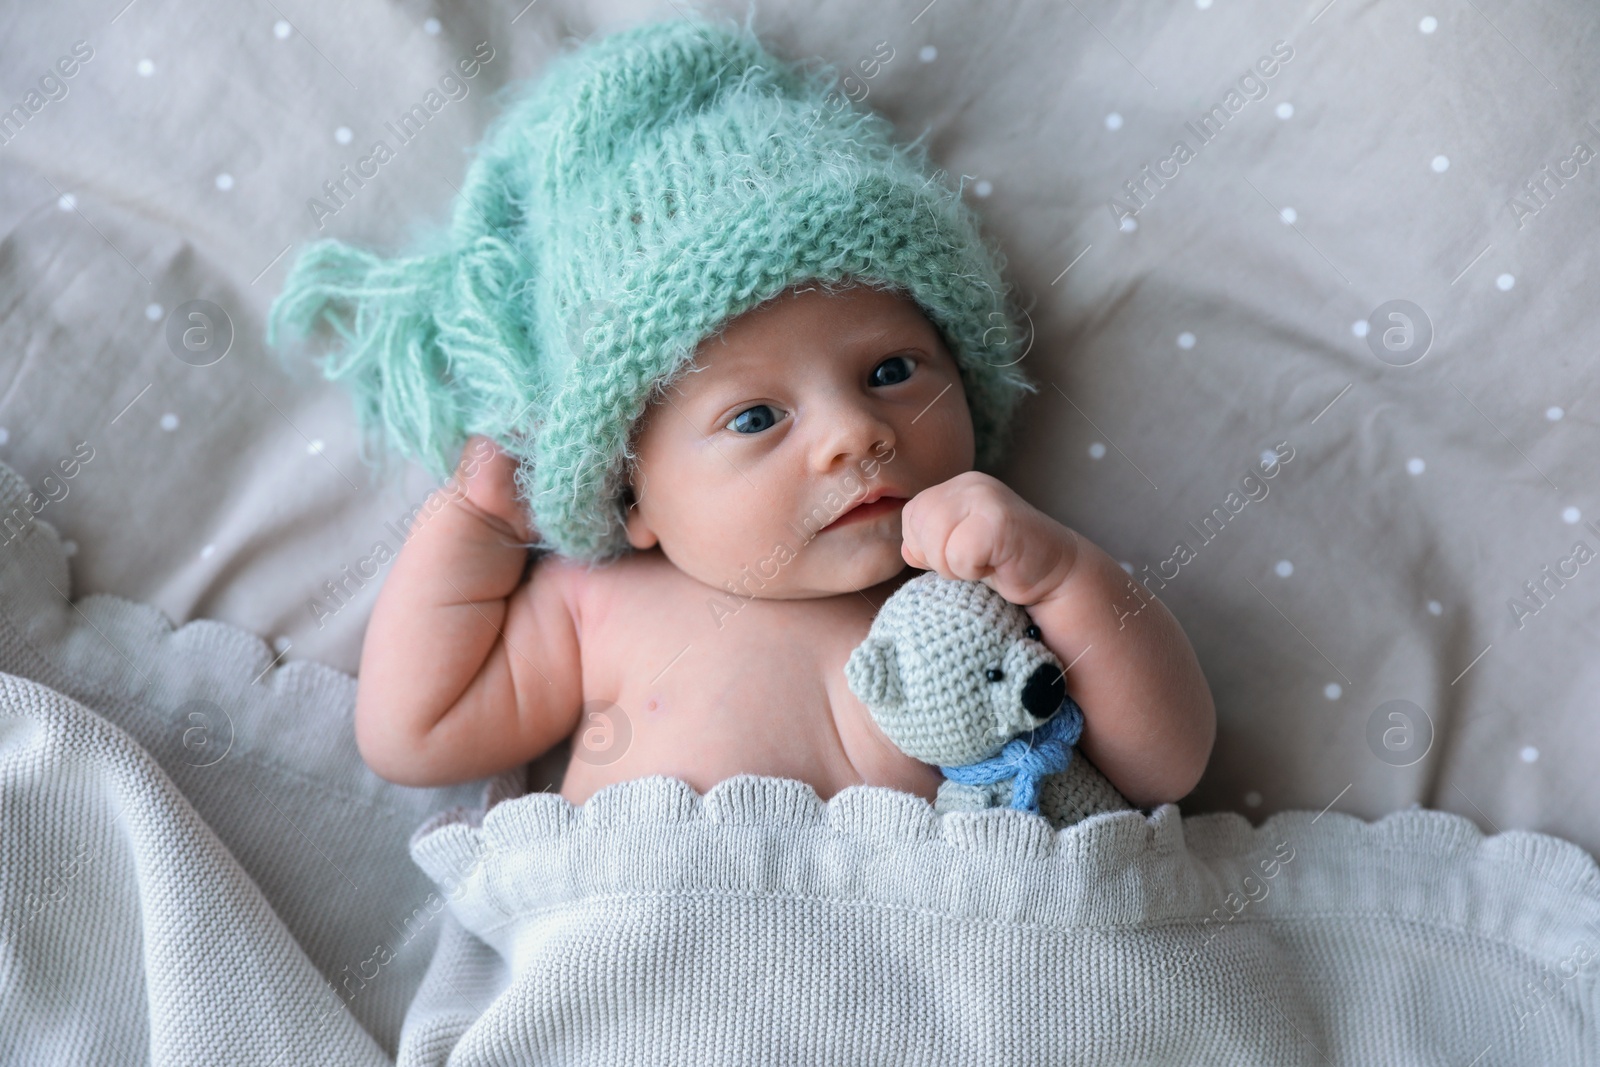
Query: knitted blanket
point(757, 924)
point(130, 934)
point(195, 866)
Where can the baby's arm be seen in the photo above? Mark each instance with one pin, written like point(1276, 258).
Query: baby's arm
point(1149, 721)
point(460, 679)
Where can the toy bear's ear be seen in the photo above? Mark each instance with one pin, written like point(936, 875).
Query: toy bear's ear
point(873, 672)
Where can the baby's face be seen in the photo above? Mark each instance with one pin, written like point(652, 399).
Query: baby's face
point(797, 411)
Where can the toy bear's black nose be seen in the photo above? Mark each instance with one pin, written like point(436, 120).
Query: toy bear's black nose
point(1045, 691)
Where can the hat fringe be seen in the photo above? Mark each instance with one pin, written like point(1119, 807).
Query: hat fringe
point(434, 348)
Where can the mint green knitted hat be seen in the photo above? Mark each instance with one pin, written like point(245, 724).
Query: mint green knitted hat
point(652, 185)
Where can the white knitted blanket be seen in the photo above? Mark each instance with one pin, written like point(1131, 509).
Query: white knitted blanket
point(757, 924)
point(130, 934)
point(195, 866)
point(168, 898)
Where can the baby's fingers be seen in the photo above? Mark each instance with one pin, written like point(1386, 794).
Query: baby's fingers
point(913, 557)
point(969, 551)
point(919, 532)
point(941, 531)
point(489, 476)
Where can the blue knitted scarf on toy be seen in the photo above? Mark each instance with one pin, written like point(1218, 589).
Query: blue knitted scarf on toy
point(1028, 758)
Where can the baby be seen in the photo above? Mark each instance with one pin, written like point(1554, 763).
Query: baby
point(732, 475)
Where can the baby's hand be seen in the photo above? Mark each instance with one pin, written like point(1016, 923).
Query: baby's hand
point(976, 528)
point(1134, 683)
point(488, 477)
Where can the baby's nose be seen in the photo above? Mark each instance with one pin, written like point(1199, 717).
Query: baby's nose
point(1044, 692)
point(853, 431)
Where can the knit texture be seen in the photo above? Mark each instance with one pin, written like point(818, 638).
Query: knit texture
point(1063, 799)
point(256, 862)
point(651, 186)
point(954, 675)
point(1027, 760)
point(759, 924)
point(925, 670)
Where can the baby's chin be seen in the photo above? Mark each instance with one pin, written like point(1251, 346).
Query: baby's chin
point(823, 567)
point(833, 569)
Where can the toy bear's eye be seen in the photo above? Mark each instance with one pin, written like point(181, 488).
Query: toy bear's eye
point(1032, 633)
point(994, 674)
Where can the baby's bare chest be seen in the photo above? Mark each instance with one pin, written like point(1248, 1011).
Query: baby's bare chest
point(684, 682)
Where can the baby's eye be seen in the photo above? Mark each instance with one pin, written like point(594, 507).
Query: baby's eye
point(753, 420)
point(899, 370)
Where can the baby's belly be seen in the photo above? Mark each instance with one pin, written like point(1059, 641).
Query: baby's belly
point(706, 742)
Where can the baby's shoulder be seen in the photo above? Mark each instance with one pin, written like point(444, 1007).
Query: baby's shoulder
point(595, 590)
point(620, 575)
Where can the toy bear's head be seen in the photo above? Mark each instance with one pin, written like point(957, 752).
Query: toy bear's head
point(951, 671)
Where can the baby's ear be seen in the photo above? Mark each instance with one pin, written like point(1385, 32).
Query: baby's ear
point(638, 531)
point(873, 672)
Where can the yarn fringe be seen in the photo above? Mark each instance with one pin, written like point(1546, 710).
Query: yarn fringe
point(435, 347)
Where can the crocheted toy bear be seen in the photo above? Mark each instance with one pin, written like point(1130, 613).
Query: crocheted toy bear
point(957, 676)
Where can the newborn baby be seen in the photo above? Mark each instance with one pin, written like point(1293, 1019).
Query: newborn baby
point(745, 360)
point(817, 396)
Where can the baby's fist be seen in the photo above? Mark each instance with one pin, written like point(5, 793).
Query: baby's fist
point(975, 528)
point(487, 476)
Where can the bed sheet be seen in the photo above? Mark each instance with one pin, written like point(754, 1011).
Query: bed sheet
point(1371, 259)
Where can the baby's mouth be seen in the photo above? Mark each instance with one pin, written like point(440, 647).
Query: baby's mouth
point(870, 507)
